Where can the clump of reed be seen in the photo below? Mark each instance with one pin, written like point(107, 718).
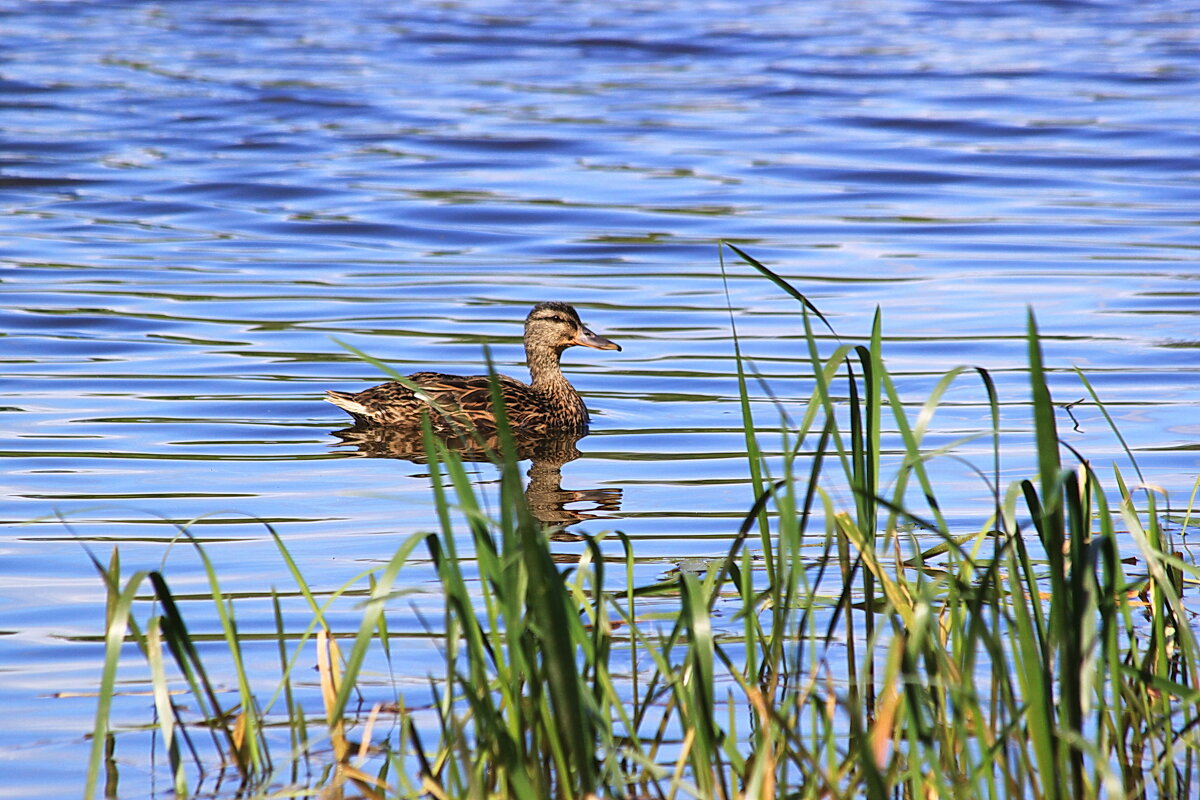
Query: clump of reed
point(830, 653)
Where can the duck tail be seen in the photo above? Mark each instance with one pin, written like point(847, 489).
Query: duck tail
point(347, 402)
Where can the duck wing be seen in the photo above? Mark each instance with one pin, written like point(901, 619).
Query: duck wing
point(467, 399)
point(451, 401)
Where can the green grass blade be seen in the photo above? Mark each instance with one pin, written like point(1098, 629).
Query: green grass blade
point(781, 283)
point(372, 611)
point(164, 707)
point(114, 637)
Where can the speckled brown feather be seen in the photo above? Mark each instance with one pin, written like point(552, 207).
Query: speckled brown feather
point(455, 402)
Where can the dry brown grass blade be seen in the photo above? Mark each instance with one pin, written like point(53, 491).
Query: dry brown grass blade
point(765, 760)
point(328, 659)
point(883, 727)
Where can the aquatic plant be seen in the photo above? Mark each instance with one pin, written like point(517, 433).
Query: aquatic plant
point(873, 650)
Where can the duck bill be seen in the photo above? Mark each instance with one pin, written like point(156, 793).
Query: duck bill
point(589, 339)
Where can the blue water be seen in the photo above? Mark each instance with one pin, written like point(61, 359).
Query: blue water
point(199, 198)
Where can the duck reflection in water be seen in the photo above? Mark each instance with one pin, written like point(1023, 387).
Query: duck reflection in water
point(547, 416)
point(547, 454)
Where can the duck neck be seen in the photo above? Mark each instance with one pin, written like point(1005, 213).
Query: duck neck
point(546, 377)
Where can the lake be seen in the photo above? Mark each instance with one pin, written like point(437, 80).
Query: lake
point(202, 201)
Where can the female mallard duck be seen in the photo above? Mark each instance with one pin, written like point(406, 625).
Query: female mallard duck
point(454, 402)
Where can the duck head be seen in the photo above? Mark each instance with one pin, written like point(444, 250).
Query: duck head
point(556, 326)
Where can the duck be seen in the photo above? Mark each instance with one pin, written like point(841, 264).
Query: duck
point(457, 403)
